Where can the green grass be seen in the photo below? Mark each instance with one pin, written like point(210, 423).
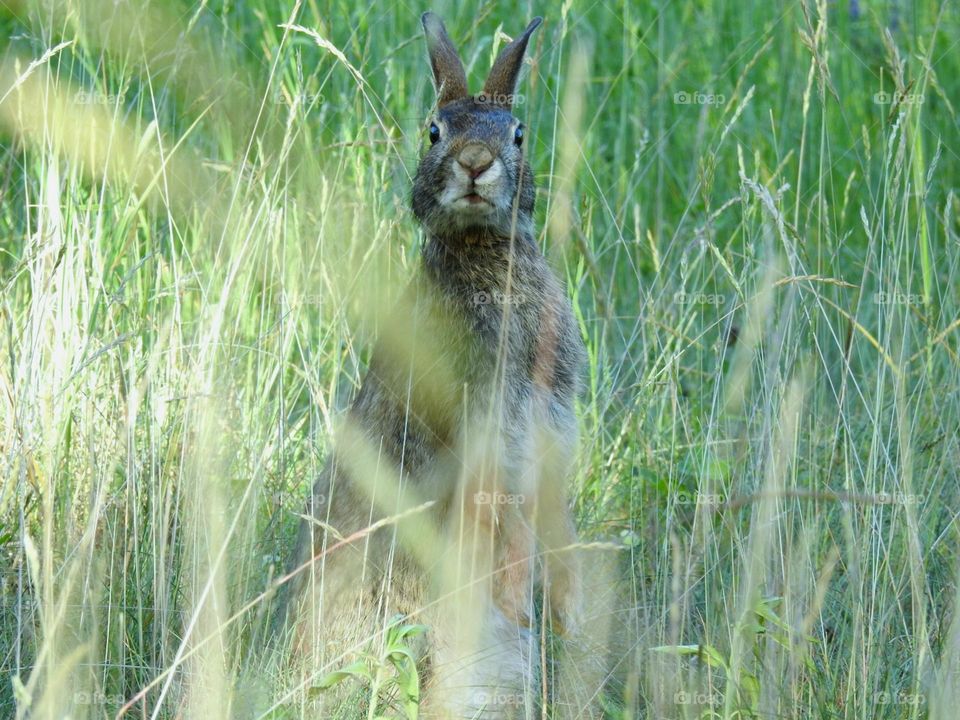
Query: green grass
point(203, 210)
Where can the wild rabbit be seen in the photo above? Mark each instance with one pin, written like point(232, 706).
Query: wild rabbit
point(468, 402)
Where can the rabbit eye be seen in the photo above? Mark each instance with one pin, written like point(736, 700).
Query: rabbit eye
point(518, 136)
point(434, 134)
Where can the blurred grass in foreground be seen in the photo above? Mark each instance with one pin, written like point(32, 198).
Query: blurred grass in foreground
point(204, 208)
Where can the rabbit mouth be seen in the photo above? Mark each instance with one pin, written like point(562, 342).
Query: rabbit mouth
point(475, 199)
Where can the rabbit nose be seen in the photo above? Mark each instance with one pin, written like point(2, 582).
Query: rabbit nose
point(475, 159)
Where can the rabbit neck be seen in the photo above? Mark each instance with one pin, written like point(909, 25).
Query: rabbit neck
point(478, 247)
point(467, 268)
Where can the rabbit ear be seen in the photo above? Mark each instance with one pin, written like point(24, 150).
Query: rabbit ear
point(449, 78)
point(502, 80)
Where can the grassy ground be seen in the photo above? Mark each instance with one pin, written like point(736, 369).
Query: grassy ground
point(753, 205)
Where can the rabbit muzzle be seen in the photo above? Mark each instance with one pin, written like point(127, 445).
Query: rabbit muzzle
point(474, 182)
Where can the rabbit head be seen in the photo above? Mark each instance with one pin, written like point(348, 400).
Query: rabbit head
point(473, 179)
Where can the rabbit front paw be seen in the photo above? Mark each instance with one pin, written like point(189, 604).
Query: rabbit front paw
point(564, 593)
point(513, 579)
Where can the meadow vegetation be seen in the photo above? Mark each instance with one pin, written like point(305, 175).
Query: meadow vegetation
point(204, 212)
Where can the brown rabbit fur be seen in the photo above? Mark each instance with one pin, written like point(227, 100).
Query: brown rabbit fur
point(468, 402)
